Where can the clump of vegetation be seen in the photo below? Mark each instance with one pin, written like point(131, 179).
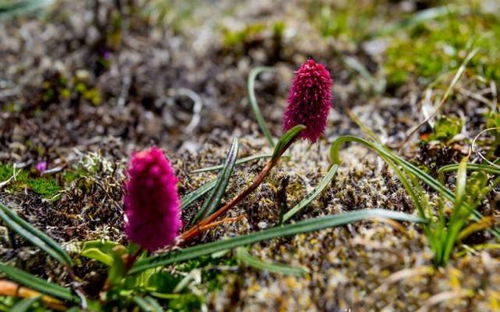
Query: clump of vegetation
point(141, 256)
point(16, 180)
point(445, 129)
point(436, 47)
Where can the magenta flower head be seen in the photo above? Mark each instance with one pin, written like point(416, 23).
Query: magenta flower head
point(41, 167)
point(309, 100)
point(152, 204)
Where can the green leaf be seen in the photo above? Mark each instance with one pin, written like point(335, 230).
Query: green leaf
point(117, 270)
point(285, 230)
point(101, 251)
point(285, 140)
point(458, 218)
point(199, 192)
point(445, 129)
point(213, 200)
point(309, 197)
point(253, 101)
point(148, 304)
point(36, 283)
point(475, 167)
point(243, 256)
point(416, 19)
point(24, 305)
point(97, 254)
point(408, 167)
point(238, 162)
point(33, 235)
point(461, 182)
point(15, 8)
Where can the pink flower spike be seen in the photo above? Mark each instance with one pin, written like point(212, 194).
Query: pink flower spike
point(151, 203)
point(41, 167)
point(309, 100)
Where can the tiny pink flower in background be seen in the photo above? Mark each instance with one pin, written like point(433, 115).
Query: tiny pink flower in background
point(41, 167)
point(151, 203)
point(309, 100)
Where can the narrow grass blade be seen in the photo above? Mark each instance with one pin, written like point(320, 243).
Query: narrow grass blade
point(309, 197)
point(100, 250)
point(24, 305)
point(305, 226)
point(199, 192)
point(31, 281)
point(253, 101)
point(286, 139)
point(482, 224)
point(416, 19)
point(97, 254)
point(238, 162)
point(33, 235)
point(461, 182)
point(475, 167)
point(11, 9)
point(245, 257)
point(385, 153)
point(213, 200)
point(148, 304)
point(459, 215)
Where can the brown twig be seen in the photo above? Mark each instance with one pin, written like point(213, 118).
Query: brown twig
point(225, 220)
point(11, 289)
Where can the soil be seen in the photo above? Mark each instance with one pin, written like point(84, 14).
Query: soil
point(82, 95)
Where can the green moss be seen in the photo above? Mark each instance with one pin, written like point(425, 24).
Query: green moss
point(438, 46)
point(343, 20)
point(446, 128)
point(234, 39)
point(44, 186)
point(47, 187)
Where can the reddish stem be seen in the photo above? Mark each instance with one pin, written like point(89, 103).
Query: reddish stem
point(197, 228)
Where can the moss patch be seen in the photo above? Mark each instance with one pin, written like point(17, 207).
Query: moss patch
point(438, 46)
point(44, 186)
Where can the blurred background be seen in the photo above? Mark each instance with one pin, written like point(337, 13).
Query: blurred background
point(102, 73)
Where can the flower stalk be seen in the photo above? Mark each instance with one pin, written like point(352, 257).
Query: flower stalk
point(286, 141)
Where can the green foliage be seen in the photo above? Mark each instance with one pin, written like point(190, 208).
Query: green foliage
point(437, 46)
point(25, 305)
point(101, 251)
point(45, 186)
point(343, 21)
point(214, 198)
point(236, 39)
point(238, 162)
point(10, 8)
point(33, 235)
point(244, 256)
point(25, 278)
point(445, 232)
point(191, 197)
point(304, 226)
point(148, 304)
point(12, 304)
point(445, 129)
point(286, 140)
point(48, 187)
point(253, 102)
point(309, 197)
point(442, 231)
point(493, 123)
